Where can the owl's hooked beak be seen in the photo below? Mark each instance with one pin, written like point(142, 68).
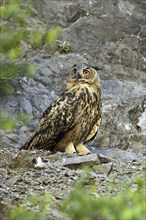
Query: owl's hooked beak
point(78, 75)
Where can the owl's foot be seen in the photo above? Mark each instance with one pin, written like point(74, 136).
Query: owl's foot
point(82, 149)
point(70, 148)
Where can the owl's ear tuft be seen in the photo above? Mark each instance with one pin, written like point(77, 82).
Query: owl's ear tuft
point(87, 65)
point(96, 68)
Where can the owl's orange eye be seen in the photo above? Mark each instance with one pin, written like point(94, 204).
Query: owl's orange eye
point(86, 72)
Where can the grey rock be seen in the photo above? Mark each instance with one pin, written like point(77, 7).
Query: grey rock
point(12, 181)
point(23, 159)
point(122, 91)
point(103, 168)
point(26, 105)
point(80, 161)
point(118, 155)
point(125, 7)
point(142, 121)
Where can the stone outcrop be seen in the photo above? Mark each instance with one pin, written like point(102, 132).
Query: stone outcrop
point(111, 35)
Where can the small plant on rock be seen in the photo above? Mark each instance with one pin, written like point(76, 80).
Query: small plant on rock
point(63, 46)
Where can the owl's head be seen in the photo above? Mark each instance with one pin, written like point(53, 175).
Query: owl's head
point(85, 73)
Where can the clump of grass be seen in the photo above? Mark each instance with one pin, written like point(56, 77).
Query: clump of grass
point(63, 46)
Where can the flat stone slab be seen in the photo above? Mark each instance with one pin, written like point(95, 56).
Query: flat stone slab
point(79, 161)
point(118, 155)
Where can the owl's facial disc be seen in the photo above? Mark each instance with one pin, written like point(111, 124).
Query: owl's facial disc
point(80, 70)
point(86, 73)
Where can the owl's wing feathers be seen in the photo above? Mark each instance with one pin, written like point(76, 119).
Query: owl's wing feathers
point(59, 117)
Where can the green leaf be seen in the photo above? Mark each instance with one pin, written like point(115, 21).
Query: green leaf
point(6, 123)
point(36, 37)
point(15, 53)
point(6, 87)
point(52, 35)
point(30, 69)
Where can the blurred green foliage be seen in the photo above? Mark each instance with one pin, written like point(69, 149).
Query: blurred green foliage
point(39, 203)
point(9, 123)
point(6, 122)
point(128, 205)
point(83, 204)
point(16, 30)
point(19, 32)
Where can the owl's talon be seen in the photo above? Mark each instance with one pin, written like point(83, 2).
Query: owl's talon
point(82, 150)
point(70, 149)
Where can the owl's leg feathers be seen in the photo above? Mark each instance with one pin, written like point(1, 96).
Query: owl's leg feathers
point(82, 149)
point(70, 148)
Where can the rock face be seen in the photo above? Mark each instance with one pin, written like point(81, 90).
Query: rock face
point(109, 34)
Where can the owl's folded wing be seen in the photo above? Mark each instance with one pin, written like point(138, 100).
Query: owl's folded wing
point(59, 117)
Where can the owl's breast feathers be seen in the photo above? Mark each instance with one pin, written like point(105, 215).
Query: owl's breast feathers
point(73, 116)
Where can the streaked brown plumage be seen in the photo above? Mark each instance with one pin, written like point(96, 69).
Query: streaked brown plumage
point(73, 118)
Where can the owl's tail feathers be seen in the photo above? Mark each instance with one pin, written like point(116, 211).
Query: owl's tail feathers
point(30, 144)
point(35, 142)
point(26, 146)
point(38, 141)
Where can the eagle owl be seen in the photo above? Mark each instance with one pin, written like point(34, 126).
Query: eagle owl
point(73, 118)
